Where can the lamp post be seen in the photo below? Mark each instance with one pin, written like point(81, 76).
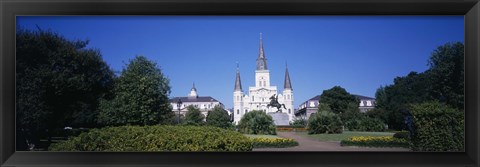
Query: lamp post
point(179, 104)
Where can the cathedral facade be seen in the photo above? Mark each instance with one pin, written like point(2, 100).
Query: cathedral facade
point(259, 96)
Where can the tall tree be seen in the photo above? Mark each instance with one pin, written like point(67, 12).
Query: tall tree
point(338, 99)
point(218, 117)
point(396, 98)
point(194, 116)
point(59, 83)
point(443, 81)
point(141, 96)
point(447, 72)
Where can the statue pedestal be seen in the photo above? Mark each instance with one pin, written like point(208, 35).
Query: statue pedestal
point(279, 118)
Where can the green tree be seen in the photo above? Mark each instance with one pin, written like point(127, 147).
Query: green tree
point(352, 117)
point(219, 117)
point(443, 81)
point(394, 99)
point(338, 99)
point(447, 72)
point(141, 96)
point(377, 113)
point(193, 116)
point(58, 83)
point(257, 122)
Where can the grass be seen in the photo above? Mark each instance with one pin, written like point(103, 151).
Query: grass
point(343, 136)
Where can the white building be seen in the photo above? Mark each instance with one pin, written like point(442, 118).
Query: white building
point(204, 103)
point(258, 96)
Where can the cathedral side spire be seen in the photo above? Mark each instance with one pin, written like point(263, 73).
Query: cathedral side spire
point(287, 83)
point(261, 60)
point(238, 82)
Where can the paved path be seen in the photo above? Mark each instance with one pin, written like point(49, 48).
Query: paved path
point(308, 144)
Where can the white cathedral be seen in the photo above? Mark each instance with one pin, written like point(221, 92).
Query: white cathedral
point(258, 96)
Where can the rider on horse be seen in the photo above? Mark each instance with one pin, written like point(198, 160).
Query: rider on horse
point(274, 103)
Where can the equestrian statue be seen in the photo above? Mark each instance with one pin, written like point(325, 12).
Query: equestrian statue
point(274, 103)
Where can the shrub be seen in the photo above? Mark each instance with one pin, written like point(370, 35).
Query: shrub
point(193, 116)
point(261, 142)
point(156, 138)
point(371, 125)
point(377, 113)
point(438, 127)
point(402, 135)
point(299, 123)
point(257, 122)
point(324, 122)
point(365, 123)
point(379, 141)
point(219, 118)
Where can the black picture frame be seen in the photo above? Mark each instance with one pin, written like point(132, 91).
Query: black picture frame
point(9, 9)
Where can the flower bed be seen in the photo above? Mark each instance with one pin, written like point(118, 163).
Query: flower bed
point(378, 141)
point(262, 142)
point(291, 129)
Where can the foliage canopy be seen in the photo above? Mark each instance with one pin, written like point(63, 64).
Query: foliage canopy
point(59, 82)
point(141, 96)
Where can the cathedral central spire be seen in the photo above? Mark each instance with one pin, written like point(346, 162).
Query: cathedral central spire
point(261, 60)
point(287, 84)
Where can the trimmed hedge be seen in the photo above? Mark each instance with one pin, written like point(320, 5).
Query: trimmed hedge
point(156, 138)
point(260, 142)
point(438, 127)
point(380, 141)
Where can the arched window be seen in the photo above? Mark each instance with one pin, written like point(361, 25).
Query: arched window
point(246, 111)
point(259, 83)
point(238, 111)
point(264, 83)
point(289, 111)
point(253, 98)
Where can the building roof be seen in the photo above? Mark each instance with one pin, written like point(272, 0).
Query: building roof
point(198, 99)
point(363, 97)
point(316, 98)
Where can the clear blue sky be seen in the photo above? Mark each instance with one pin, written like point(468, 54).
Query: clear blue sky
point(358, 53)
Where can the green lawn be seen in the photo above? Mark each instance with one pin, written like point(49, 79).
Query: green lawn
point(262, 136)
point(344, 135)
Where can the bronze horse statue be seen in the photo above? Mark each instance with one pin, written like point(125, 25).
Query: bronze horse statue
point(274, 103)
